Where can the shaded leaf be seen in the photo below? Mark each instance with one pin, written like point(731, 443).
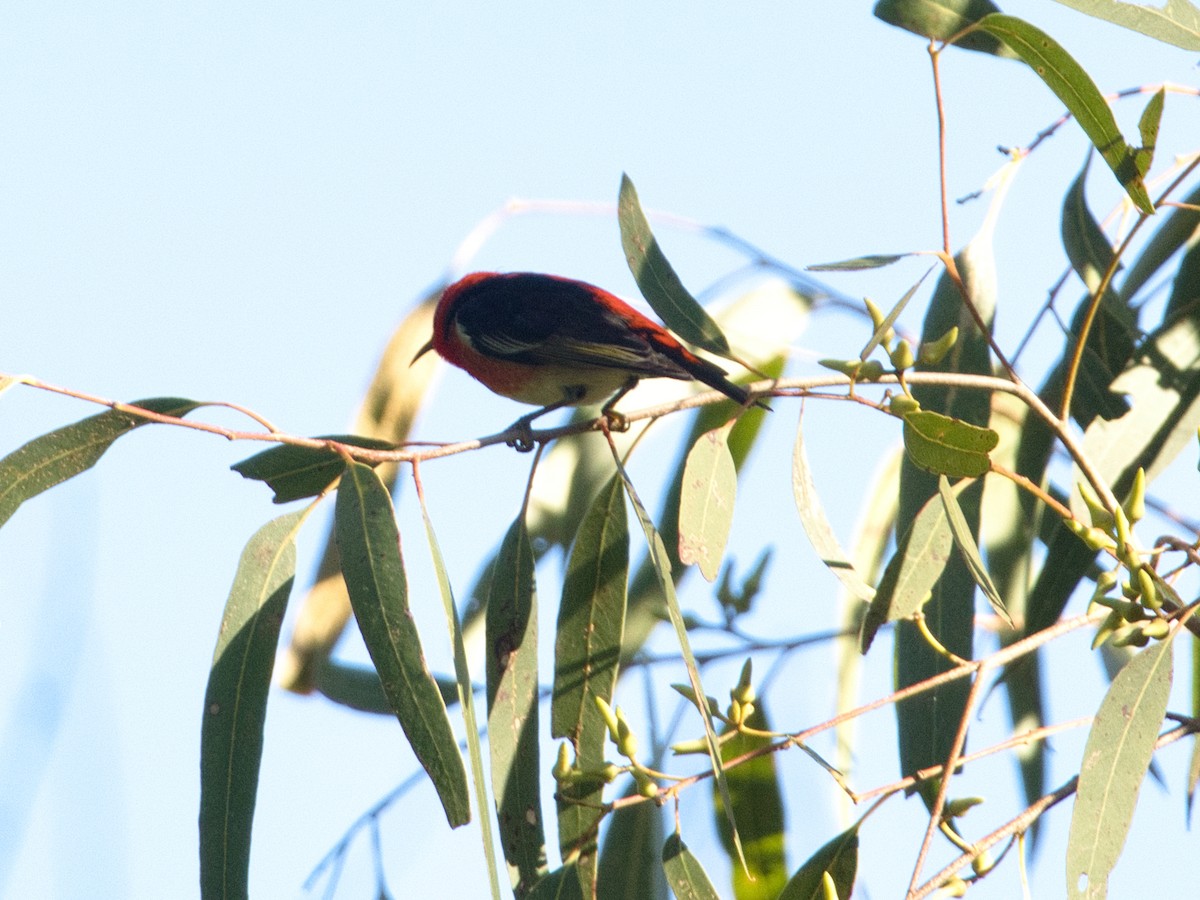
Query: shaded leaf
point(561, 884)
point(944, 445)
point(1119, 748)
point(916, 565)
point(657, 280)
point(758, 810)
point(838, 858)
point(707, 501)
point(65, 452)
point(964, 540)
point(369, 545)
point(1075, 88)
point(295, 472)
point(235, 705)
point(629, 859)
point(1174, 22)
point(816, 524)
point(1176, 229)
point(941, 20)
point(587, 649)
point(512, 691)
point(359, 687)
point(685, 875)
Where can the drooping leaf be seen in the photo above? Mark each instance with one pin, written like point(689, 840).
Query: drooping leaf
point(941, 20)
point(918, 562)
point(816, 524)
point(661, 562)
point(65, 452)
point(1148, 128)
point(512, 690)
point(630, 863)
point(1087, 247)
point(965, 541)
point(657, 280)
point(359, 687)
point(561, 884)
point(235, 706)
point(295, 472)
point(707, 501)
point(837, 859)
point(1118, 752)
point(466, 696)
point(1075, 88)
point(685, 875)
point(587, 650)
point(369, 544)
point(927, 723)
point(758, 810)
point(944, 445)
point(1173, 22)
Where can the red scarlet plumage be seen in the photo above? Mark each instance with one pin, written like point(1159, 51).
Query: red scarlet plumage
point(554, 342)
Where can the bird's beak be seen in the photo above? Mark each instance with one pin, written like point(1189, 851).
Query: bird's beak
point(428, 346)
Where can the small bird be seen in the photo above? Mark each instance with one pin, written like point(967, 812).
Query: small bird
point(555, 342)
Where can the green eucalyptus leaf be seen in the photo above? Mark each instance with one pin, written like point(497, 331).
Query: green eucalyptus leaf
point(235, 705)
point(657, 280)
point(837, 859)
point(61, 454)
point(944, 445)
point(369, 544)
point(942, 20)
point(685, 875)
point(296, 472)
point(1173, 22)
point(707, 501)
point(1075, 88)
point(1119, 749)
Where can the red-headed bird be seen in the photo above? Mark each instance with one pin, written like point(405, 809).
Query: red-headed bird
point(556, 342)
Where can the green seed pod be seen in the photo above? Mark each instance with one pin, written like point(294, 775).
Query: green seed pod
point(562, 766)
point(743, 691)
point(902, 355)
point(877, 315)
point(1156, 629)
point(685, 747)
point(1107, 628)
point(734, 713)
point(848, 367)
point(1149, 589)
point(1101, 517)
point(609, 719)
point(902, 405)
point(933, 352)
point(870, 370)
point(627, 744)
point(1135, 506)
point(646, 786)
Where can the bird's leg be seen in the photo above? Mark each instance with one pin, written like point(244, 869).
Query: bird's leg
point(524, 442)
point(616, 421)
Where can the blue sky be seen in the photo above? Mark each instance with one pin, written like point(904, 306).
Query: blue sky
point(240, 201)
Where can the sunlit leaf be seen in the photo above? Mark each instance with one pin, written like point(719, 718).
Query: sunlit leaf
point(65, 452)
point(1118, 751)
point(235, 705)
point(944, 445)
point(295, 472)
point(1148, 128)
point(369, 542)
point(1075, 88)
point(707, 501)
point(920, 557)
point(685, 875)
point(512, 691)
point(1173, 22)
point(657, 280)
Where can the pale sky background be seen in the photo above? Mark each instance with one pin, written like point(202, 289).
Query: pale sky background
point(238, 201)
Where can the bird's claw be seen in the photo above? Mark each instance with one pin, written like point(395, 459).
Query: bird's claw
point(611, 420)
point(522, 441)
